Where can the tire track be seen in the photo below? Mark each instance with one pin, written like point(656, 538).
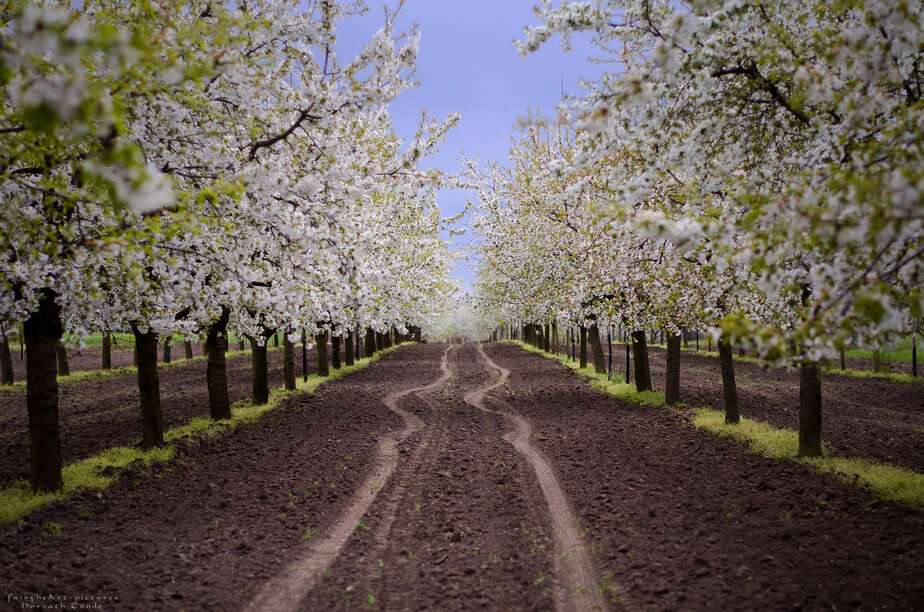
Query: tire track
point(286, 590)
point(577, 584)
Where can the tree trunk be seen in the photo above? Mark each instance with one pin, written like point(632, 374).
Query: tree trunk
point(107, 351)
point(152, 421)
point(320, 342)
point(6, 361)
point(41, 332)
point(348, 348)
point(640, 355)
point(288, 362)
point(809, 410)
point(555, 347)
point(260, 390)
point(276, 340)
point(672, 372)
point(64, 368)
point(187, 349)
point(877, 361)
point(843, 360)
point(583, 362)
point(216, 342)
point(335, 351)
point(168, 349)
point(379, 341)
point(370, 343)
point(914, 355)
point(729, 389)
point(596, 347)
point(628, 361)
point(240, 345)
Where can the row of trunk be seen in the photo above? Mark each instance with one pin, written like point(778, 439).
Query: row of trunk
point(545, 337)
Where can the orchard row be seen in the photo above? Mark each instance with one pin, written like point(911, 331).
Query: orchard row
point(203, 168)
point(752, 169)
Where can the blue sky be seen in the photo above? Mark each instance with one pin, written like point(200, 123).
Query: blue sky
point(468, 64)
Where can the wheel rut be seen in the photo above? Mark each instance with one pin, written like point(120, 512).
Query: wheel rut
point(577, 584)
point(286, 591)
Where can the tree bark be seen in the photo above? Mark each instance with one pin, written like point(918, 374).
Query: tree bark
point(729, 388)
point(379, 341)
point(348, 348)
point(240, 345)
point(672, 372)
point(216, 341)
point(168, 350)
point(914, 355)
point(877, 361)
point(6, 361)
point(628, 361)
point(152, 420)
point(107, 351)
point(64, 368)
point(583, 363)
point(260, 389)
point(288, 362)
point(843, 360)
point(335, 351)
point(320, 342)
point(41, 332)
point(809, 410)
point(555, 347)
point(596, 348)
point(640, 355)
point(276, 340)
point(370, 343)
point(187, 349)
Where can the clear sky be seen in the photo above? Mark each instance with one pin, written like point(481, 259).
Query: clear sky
point(469, 64)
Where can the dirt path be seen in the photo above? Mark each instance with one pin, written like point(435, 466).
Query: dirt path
point(286, 591)
point(577, 588)
point(685, 521)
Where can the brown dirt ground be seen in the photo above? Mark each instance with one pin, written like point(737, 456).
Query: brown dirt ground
point(207, 529)
point(463, 523)
point(864, 417)
point(682, 520)
point(98, 414)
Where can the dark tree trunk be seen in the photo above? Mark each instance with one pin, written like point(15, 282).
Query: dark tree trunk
point(335, 351)
point(596, 347)
point(672, 372)
point(6, 361)
point(260, 390)
point(276, 340)
point(168, 350)
point(843, 360)
point(555, 347)
point(187, 349)
point(134, 354)
point(729, 389)
point(628, 362)
point(288, 362)
point(240, 345)
point(152, 420)
point(583, 363)
point(41, 332)
point(370, 343)
point(379, 341)
point(107, 351)
point(348, 349)
point(809, 410)
point(877, 361)
point(320, 342)
point(216, 342)
point(640, 355)
point(914, 355)
point(64, 368)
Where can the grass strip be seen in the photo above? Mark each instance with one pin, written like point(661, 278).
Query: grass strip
point(884, 481)
point(99, 471)
point(82, 376)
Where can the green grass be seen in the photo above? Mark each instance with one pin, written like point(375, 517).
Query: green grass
point(18, 500)
point(883, 480)
point(623, 391)
point(81, 376)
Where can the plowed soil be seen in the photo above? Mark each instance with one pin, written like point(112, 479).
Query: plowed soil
point(681, 520)
point(668, 517)
point(98, 414)
point(862, 417)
